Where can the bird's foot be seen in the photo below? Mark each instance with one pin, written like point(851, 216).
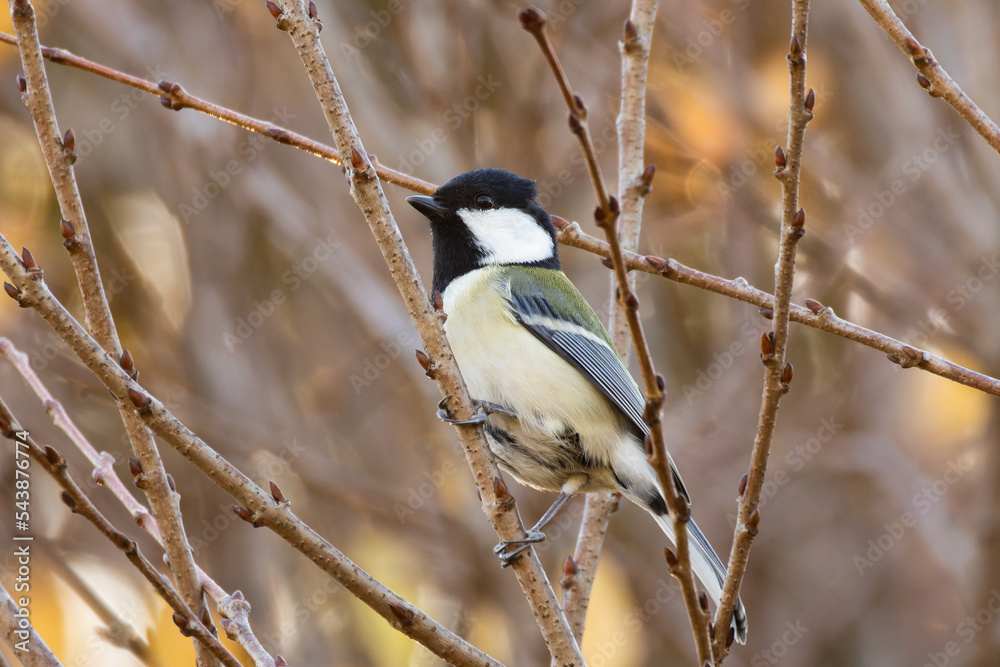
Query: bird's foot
point(509, 550)
point(495, 409)
point(483, 410)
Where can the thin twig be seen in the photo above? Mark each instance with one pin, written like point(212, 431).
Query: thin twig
point(534, 21)
point(58, 151)
point(236, 624)
point(303, 26)
point(606, 217)
point(815, 315)
point(16, 628)
point(190, 623)
point(259, 508)
point(59, 154)
point(634, 180)
point(778, 373)
point(104, 475)
point(173, 96)
point(930, 75)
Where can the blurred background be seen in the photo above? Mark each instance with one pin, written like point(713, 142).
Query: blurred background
point(258, 308)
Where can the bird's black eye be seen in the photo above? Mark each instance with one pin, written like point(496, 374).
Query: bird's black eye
point(484, 202)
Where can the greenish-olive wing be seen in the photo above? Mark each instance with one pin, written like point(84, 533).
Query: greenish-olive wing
point(547, 304)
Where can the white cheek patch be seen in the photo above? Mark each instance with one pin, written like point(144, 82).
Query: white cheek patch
point(508, 236)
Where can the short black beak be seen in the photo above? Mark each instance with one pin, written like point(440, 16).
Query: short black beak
point(427, 206)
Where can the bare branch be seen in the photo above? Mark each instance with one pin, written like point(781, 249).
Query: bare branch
point(236, 624)
point(815, 315)
point(778, 373)
point(173, 96)
point(303, 29)
point(190, 623)
point(534, 21)
point(635, 178)
point(105, 475)
point(59, 154)
point(634, 181)
point(930, 75)
point(606, 217)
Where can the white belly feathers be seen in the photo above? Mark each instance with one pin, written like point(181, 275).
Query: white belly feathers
point(503, 363)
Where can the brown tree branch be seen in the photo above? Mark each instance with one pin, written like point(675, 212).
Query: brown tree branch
point(59, 158)
point(778, 373)
point(260, 508)
point(236, 623)
point(172, 96)
point(104, 475)
point(815, 315)
point(930, 75)
point(634, 180)
point(303, 26)
point(190, 623)
point(606, 217)
point(58, 151)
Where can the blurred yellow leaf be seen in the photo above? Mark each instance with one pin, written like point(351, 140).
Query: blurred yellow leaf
point(152, 237)
point(938, 415)
point(615, 621)
point(390, 562)
point(490, 632)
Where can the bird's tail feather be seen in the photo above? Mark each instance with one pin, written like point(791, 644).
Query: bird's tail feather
point(708, 568)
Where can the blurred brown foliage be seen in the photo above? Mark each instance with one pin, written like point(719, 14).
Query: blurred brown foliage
point(246, 284)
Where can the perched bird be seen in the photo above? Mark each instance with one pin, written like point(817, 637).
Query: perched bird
point(562, 413)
